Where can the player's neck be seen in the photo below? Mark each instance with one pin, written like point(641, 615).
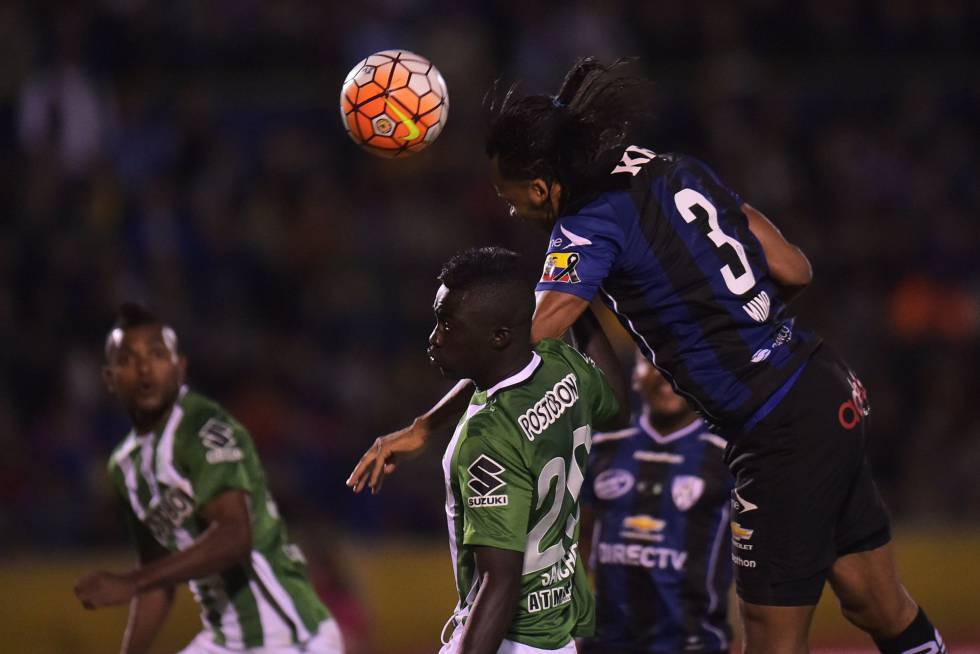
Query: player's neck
point(667, 425)
point(507, 365)
point(145, 422)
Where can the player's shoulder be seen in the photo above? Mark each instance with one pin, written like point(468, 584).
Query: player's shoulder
point(204, 418)
point(491, 428)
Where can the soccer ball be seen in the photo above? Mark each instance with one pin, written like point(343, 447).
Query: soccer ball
point(394, 103)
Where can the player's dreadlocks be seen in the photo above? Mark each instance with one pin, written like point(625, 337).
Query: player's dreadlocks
point(574, 137)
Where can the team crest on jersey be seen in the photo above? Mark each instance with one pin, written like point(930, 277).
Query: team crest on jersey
point(686, 491)
point(613, 483)
point(560, 267)
point(218, 439)
point(485, 480)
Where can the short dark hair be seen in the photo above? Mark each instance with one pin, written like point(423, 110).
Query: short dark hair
point(482, 265)
point(574, 137)
point(132, 314)
point(505, 290)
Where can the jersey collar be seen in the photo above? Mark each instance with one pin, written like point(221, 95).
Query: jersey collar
point(672, 436)
point(517, 378)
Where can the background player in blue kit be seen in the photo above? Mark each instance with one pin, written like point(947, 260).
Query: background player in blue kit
point(655, 519)
point(701, 280)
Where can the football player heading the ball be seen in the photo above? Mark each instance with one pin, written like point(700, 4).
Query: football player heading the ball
point(702, 281)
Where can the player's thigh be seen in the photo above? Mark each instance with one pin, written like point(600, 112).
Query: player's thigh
point(870, 592)
point(794, 473)
point(775, 629)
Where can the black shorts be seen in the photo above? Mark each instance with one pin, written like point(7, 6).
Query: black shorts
point(803, 492)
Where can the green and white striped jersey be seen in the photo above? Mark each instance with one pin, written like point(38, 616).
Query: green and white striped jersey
point(166, 477)
point(514, 469)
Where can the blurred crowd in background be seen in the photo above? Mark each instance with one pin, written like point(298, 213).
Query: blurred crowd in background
point(190, 155)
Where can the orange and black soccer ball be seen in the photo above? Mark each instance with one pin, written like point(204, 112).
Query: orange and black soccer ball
point(394, 103)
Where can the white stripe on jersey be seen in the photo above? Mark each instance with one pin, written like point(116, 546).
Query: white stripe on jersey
point(276, 632)
point(715, 440)
point(231, 626)
point(605, 436)
point(279, 594)
point(129, 475)
point(452, 508)
point(166, 472)
point(146, 470)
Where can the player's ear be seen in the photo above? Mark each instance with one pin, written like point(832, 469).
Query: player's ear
point(500, 338)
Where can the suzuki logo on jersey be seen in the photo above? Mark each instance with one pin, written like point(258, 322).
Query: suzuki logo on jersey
point(643, 527)
point(610, 484)
point(633, 158)
point(686, 491)
point(758, 307)
point(485, 479)
point(218, 439)
point(560, 267)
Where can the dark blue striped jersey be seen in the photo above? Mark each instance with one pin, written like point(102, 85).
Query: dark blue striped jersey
point(660, 546)
point(672, 255)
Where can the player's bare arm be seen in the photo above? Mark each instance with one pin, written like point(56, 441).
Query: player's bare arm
point(788, 265)
point(389, 450)
point(555, 313)
point(496, 602)
point(226, 541)
point(592, 341)
point(149, 610)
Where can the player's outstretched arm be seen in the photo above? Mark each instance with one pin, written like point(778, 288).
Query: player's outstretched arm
point(788, 265)
point(555, 312)
point(226, 541)
point(591, 341)
point(388, 451)
point(496, 602)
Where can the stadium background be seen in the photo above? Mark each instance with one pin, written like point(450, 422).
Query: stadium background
point(190, 155)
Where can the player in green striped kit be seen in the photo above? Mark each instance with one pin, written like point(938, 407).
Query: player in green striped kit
point(516, 462)
point(196, 498)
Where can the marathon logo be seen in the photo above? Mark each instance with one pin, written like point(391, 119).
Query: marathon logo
point(642, 556)
point(549, 408)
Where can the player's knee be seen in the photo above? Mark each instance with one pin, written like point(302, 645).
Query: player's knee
point(879, 614)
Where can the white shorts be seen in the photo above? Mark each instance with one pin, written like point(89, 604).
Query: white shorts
point(507, 646)
point(327, 640)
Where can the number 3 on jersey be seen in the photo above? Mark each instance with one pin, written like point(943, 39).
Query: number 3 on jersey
point(687, 201)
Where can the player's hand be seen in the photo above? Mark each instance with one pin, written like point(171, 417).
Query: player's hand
point(97, 589)
point(384, 456)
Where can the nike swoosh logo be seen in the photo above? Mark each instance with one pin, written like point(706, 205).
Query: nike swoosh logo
point(413, 129)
